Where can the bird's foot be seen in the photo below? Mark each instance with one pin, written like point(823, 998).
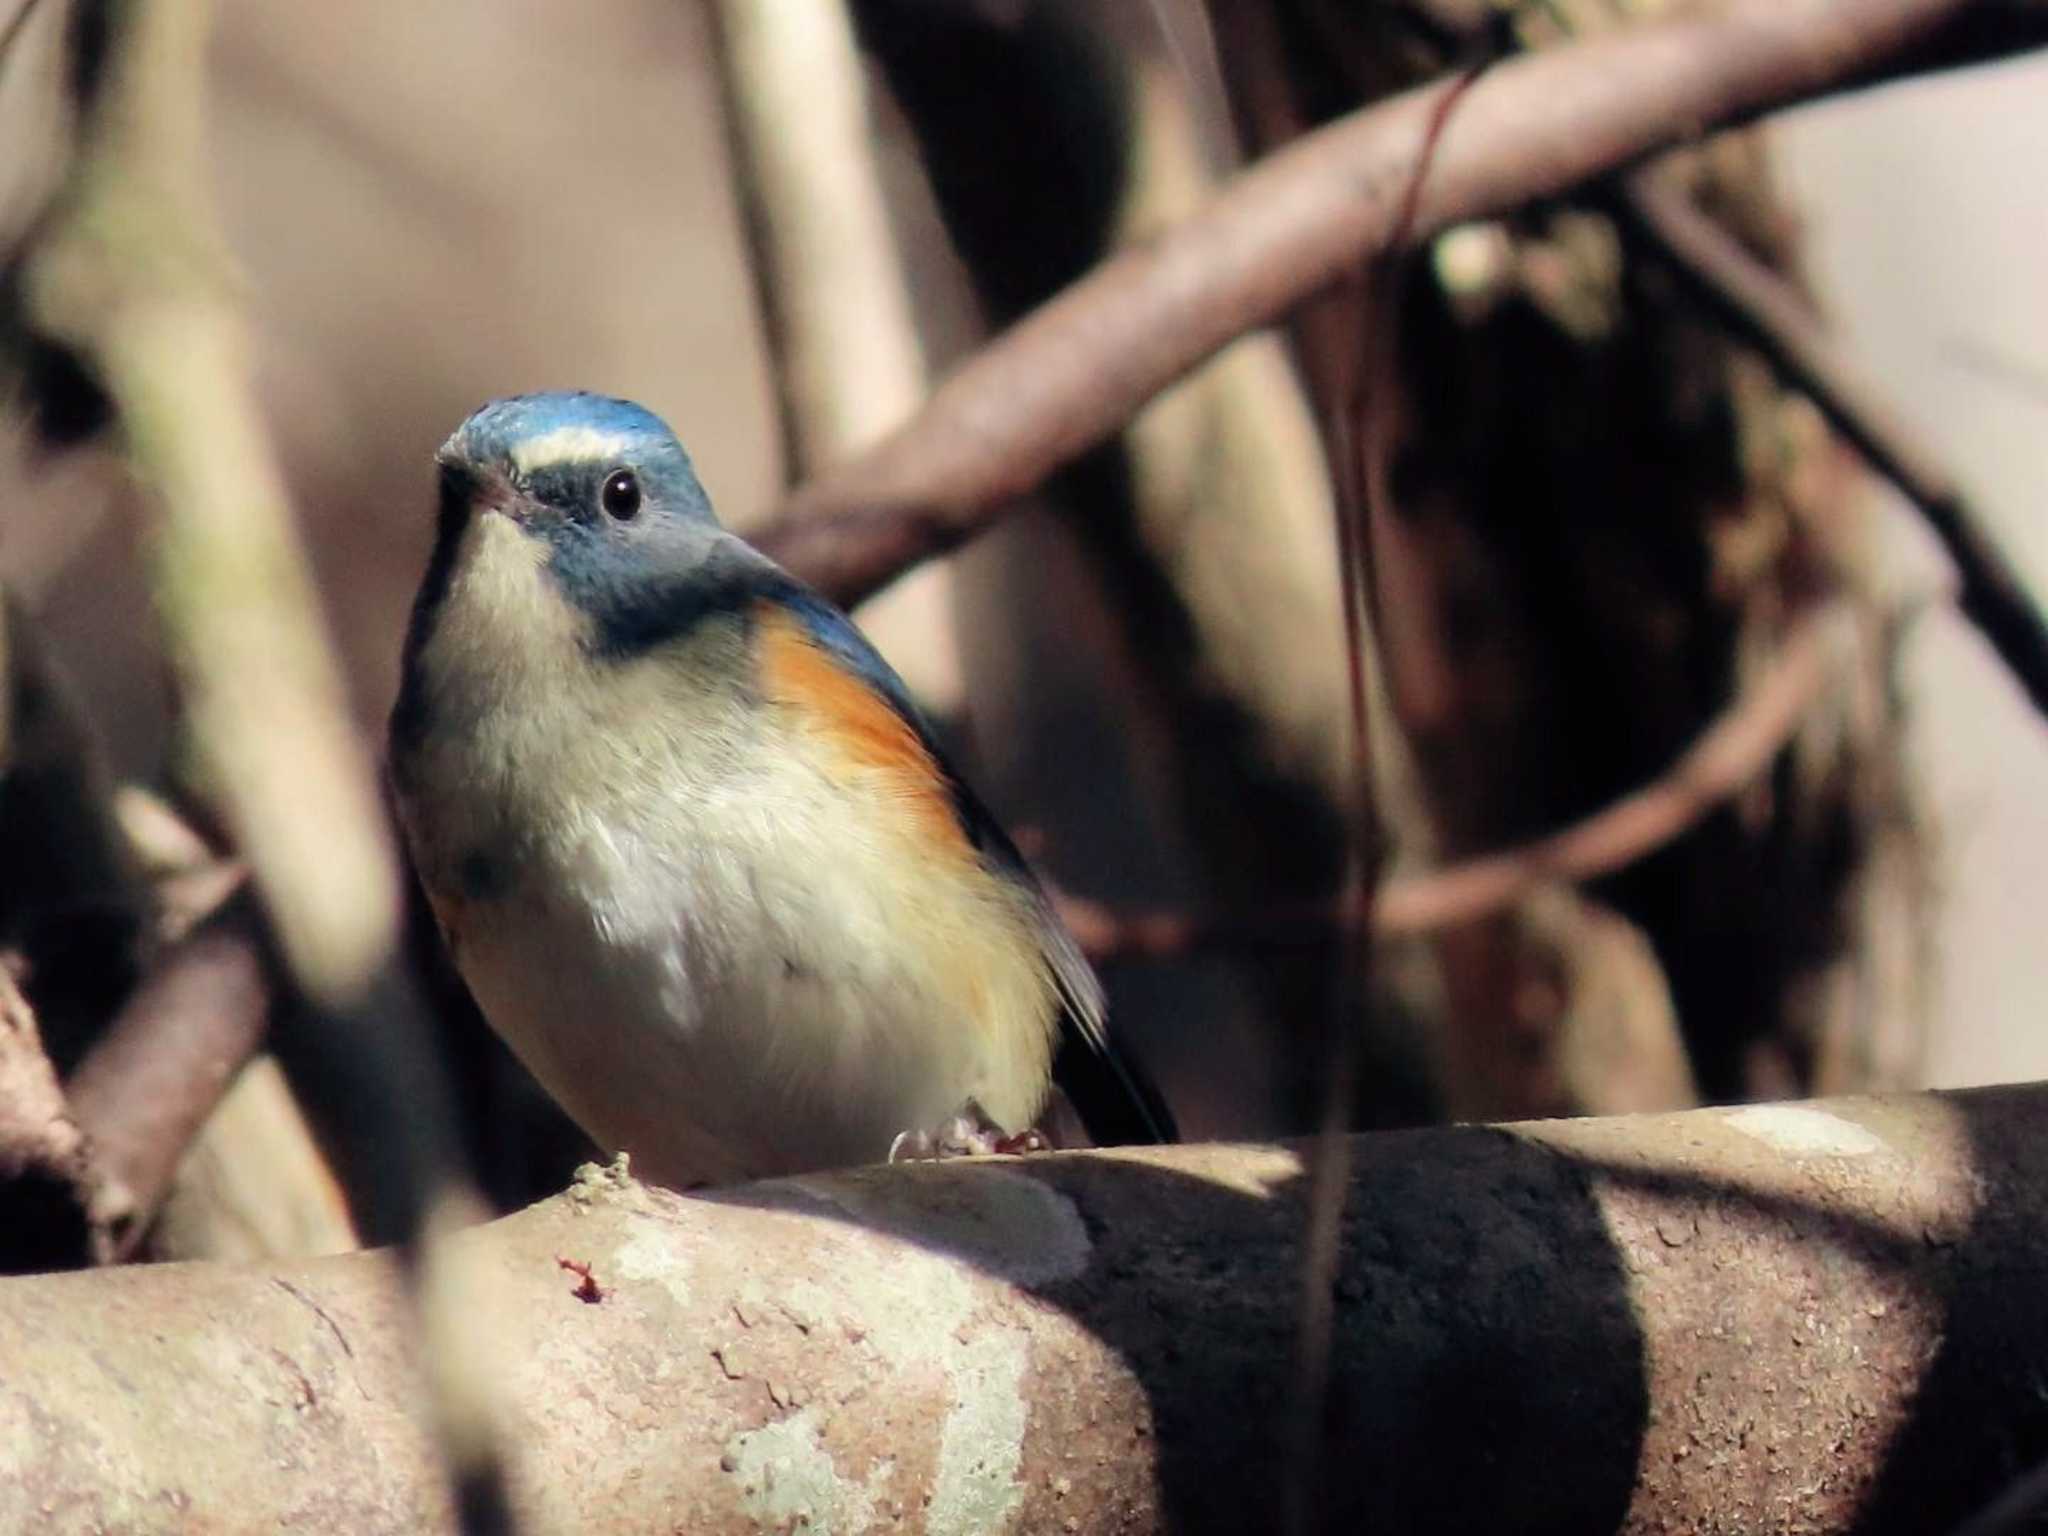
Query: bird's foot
point(969, 1132)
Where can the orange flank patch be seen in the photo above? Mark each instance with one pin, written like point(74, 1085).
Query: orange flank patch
point(799, 675)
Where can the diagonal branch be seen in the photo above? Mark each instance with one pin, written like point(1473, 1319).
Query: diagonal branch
point(1071, 373)
point(1770, 314)
point(148, 1084)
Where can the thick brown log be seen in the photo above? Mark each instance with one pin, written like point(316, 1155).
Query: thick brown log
point(1798, 1317)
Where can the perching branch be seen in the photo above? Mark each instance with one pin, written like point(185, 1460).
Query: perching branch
point(1074, 371)
point(1728, 756)
point(1766, 311)
point(1788, 1317)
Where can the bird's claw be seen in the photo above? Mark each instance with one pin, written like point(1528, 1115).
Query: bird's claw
point(970, 1132)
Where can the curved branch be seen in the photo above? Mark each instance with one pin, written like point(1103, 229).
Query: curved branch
point(1728, 756)
point(1072, 372)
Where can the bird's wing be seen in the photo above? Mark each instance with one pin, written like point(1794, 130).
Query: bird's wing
point(1115, 1101)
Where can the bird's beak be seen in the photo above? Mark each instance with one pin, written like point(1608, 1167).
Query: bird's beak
point(467, 491)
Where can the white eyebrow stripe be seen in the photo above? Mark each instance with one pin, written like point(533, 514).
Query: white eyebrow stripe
point(567, 445)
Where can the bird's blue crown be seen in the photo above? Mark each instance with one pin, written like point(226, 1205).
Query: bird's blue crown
point(632, 541)
point(535, 437)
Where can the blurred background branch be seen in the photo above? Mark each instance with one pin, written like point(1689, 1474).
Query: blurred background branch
point(59, 1207)
point(1079, 367)
point(1763, 309)
point(1730, 756)
point(131, 273)
point(130, 276)
point(830, 278)
point(153, 1079)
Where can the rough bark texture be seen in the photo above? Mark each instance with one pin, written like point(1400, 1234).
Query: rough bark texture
point(1791, 1317)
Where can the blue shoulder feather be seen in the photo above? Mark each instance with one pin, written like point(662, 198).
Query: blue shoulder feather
point(838, 638)
point(1116, 1103)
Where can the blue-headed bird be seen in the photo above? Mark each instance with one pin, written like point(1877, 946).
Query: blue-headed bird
point(693, 848)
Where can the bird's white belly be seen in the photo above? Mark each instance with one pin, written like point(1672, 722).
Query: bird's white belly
point(740, 979)
point(714, 941)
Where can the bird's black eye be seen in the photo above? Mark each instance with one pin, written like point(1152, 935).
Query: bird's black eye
point(621, 495)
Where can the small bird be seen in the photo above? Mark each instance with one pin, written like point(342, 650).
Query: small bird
point(692, 847)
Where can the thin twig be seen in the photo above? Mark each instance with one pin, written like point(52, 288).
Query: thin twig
point(1075, 370)
point(1770, 314)
point(1727, 757)
point(1361, 508)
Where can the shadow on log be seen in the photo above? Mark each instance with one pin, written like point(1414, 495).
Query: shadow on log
point(1817, 1317)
